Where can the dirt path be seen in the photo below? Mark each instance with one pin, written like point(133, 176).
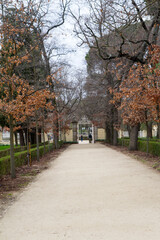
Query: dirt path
point(91, 192)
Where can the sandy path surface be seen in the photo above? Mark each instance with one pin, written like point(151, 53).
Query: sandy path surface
point(90, 192)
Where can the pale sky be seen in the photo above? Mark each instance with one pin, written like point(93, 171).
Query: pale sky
point(66, 36)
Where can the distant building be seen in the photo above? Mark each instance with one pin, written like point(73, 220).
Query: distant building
point(83, 127)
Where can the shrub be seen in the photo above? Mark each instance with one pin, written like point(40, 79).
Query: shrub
point(60, 143)
point(142, 145)
point(21, 158)
point(123, 142)
point(6, 152)
point(3, 147)
point(153, 146)
point(4, 165)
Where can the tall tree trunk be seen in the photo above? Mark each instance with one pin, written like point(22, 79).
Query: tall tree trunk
point(33, 136)
point(49, 143)
point(44, 144)
point(149, 129)
point(37, 138)
point(21, 136)
point(133, 144)
point(48, 73)
point(158, 131)
point(27, 138)
point(129, 130)
point(12, 162)
point(39, 135)
point(108, 133)
point(16, 138)
point(115, 137)
point(115, 132)
point(55, 140)
point(56, 133)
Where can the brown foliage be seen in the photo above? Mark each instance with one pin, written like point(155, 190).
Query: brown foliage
point(139, 93)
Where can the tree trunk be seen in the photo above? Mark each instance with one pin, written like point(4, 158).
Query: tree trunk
point(149, 130)
point(55, 140)
point(16, 138)
point(39, 135)
point(108, 133)
point(48, 144)
point(115, 137)
point(22, 143)
point(129, 130)
point(133, 145)
point(37, 138)
point(56, 133)
point(158, 131)
point(115, 132)
point(12, 162)
point(27, 138)
point(33, 136)
point(44, 144)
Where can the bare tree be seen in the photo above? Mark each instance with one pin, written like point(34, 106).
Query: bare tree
point(120, 30)
point(113, 20)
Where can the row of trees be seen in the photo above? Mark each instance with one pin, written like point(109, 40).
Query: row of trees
point(34, 93)
point(123, 64)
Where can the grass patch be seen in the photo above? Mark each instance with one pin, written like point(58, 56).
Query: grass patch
point(3, 147)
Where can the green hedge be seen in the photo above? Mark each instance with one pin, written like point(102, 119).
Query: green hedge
point(153, 146)
point(150, 139)
point(21, 158)
point(123, 142)
point(6, 152)
point(60, 143)
point(4, 147)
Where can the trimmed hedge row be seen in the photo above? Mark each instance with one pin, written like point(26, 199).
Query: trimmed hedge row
point(150, 139)
point(153, 146)
point(6, 152)
point(145, 139)
point(21, 158)
point(4, 147)
point(123, 142)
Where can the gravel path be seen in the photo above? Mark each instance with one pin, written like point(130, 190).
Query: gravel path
point(91, 192)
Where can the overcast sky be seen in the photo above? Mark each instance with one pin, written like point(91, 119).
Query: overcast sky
point(67, 38)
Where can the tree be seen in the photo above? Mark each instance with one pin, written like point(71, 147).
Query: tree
point(114, 20)
point(68, 97)
point(119, 30)
point(139, 93)
point(102, 77)
point(18, 98)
